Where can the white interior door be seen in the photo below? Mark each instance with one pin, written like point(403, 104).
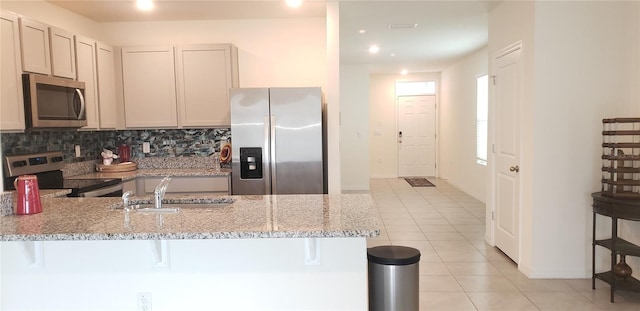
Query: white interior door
point(417, 135)
point(507, 151)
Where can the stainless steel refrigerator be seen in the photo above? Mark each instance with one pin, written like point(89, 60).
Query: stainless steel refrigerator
point(277, 141)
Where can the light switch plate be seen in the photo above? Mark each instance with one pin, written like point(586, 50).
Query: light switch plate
point(145, 147)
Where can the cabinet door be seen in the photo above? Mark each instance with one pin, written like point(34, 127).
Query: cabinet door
point(148, 76)
point(106, 86)
point(204, 76)
point(34, 37)
point(11, 103)
point(63, 57)
point(86, 72)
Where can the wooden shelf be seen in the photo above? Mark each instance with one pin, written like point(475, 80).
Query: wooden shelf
point(621, 157)
point(622, 182)
point(616, 207)
point(623, 195)
point(623, 246)
point(621, 120)
point(623, 132)
point(629, 284)
point(621, 145)
point(621, 169)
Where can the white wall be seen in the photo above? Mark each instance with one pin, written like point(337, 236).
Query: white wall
point(457, 120)
point(383, 147)
point(333, 96)
point(354, 129)
point(580, 64)
point(511, 22)
point(586, 56)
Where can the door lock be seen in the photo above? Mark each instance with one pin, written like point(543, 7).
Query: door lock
point(515, 169)
point(400, 137)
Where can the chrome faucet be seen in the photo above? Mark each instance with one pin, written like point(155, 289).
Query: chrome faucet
point(125, 200)
point(158, 193)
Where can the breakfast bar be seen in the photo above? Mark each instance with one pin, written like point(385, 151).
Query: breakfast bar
point(266, 252)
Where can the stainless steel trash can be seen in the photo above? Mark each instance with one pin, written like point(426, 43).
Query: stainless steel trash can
point(393, 278)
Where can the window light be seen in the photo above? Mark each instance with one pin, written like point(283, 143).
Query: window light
point(408, 88)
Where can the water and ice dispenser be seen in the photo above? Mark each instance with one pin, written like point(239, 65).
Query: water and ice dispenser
point(251, 163)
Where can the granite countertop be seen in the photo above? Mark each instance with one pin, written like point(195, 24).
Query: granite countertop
point(7, 198)
point(268, 216)
point(156, 172)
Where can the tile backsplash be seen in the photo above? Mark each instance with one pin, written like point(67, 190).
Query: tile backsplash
point(163, 143)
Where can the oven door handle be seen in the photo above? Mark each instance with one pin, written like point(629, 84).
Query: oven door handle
point(101, 191)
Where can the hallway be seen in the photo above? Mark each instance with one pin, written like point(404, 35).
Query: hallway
point(458, 270)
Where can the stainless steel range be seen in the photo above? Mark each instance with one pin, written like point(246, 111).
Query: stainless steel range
point(47, 166)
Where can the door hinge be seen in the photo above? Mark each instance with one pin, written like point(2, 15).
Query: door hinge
point(493, 213)
point(493, 79)
point(493, 148)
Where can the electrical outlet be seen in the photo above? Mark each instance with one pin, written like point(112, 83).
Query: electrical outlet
point(144, 301)
point(77, 148)
point(146, 148)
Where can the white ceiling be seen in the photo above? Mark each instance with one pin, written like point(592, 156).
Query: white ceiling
point(124, 10)
point(446, 31)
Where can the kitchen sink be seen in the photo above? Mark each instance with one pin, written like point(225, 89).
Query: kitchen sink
point(149, 208)
point(176, 207)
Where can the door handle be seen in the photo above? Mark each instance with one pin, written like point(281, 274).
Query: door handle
point(515, 169)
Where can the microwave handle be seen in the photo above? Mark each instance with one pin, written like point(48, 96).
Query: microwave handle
point(79, 93)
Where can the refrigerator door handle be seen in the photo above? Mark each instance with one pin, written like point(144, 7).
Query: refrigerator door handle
point(267, 156)
point(272, 158)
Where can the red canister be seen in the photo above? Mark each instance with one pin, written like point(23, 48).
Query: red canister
point(28, 195)
point(124, 152)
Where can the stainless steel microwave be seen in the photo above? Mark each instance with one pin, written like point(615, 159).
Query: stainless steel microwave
point(53, 102)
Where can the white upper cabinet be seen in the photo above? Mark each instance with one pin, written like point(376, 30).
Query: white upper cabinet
point(106, 86)
point(63, 59)
point(149, 81)
point(87, 73)
point(205, 72)
point(34, 38)
point(11, 101)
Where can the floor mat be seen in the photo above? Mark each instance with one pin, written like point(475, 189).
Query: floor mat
point(419, 182)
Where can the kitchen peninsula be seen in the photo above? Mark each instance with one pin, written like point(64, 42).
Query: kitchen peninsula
point(280, 252)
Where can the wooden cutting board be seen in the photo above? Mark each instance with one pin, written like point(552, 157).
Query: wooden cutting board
point(118, 167)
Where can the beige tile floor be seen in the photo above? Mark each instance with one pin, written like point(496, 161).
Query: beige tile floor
point(458, 270)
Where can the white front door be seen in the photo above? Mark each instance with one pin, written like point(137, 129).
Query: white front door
point(507, 151)
point(417, 136)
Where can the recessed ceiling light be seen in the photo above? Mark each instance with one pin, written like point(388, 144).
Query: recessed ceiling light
point(362, 31)
point(392, 54)
point(404, 72)
point(374, 49)
point(144, 5)
point(294, 3)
